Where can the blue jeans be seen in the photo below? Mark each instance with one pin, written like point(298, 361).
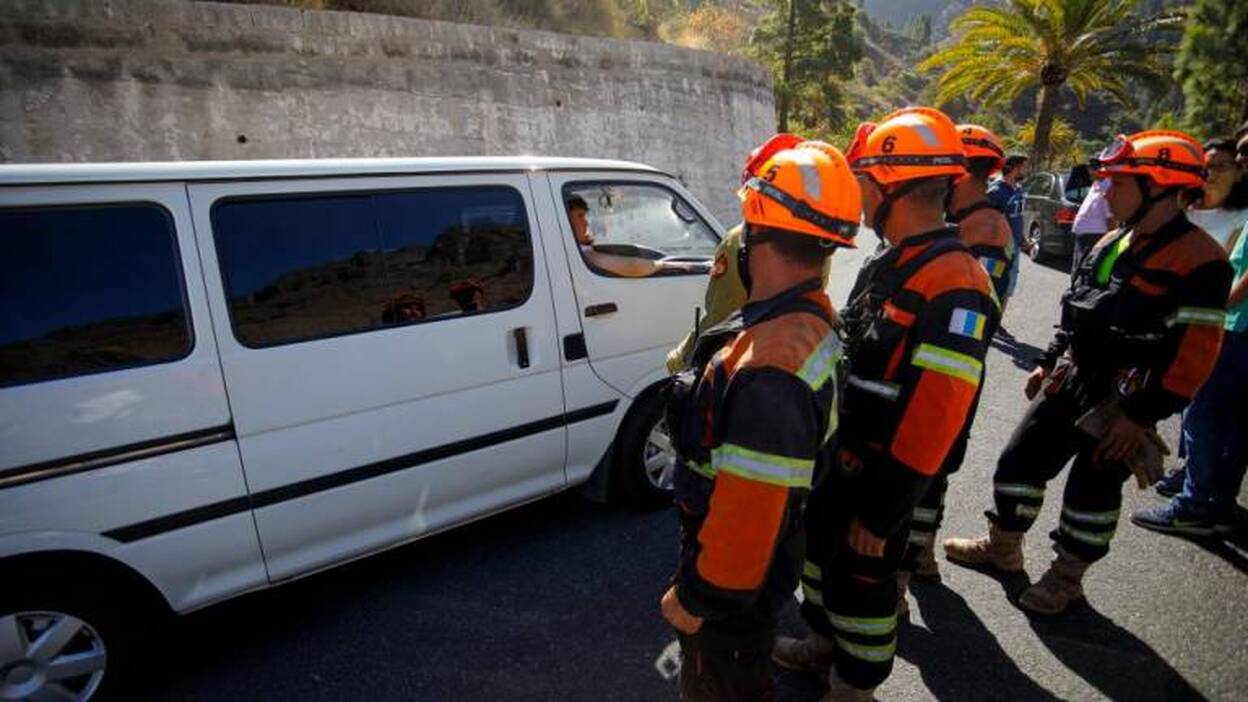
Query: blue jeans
point(1215, 430)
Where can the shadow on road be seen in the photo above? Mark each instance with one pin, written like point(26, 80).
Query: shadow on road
point(519, 606)
point(1023, 354)
point(955, 640)
point(1109, 657)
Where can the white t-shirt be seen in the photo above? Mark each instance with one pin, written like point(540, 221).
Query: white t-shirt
point(1093, 213)
point(1220, 224)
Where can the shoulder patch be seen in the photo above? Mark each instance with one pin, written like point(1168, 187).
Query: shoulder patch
point(968, 323)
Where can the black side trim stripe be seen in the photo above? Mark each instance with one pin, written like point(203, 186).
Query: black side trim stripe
point(112, 456)
point(217, 510)
point(179, 520)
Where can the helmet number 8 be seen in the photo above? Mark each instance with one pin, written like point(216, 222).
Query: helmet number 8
point(1164, 154)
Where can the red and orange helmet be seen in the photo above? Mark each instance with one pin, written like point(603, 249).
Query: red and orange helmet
point(807, 189)
point(1169, 158)
point(980, 142)
point(916, 142)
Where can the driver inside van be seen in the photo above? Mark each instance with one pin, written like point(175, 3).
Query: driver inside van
point(615, 264)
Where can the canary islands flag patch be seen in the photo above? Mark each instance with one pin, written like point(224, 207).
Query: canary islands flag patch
point(968, 323)
point(995, 266)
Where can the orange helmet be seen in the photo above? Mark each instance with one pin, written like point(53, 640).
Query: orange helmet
point(980, 142)
point(917, 142)
point(807, 190)
point(1168, 158)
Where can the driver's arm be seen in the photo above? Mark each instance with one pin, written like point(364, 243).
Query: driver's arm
point(626, 266)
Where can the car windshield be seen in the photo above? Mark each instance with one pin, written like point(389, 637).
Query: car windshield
point(1077, 183)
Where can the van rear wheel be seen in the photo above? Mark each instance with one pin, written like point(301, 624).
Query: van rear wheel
point(646, 461)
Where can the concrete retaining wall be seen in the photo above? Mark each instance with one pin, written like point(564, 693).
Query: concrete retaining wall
point(108, 80)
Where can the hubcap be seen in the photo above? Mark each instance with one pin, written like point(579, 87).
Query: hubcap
point(49, 656)
point(659, 457)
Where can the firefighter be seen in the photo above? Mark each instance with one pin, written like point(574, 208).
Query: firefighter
point(917, 326)
point(755, 421)
point(724, 292)
point(1140, 330)
point(982, 227)
point(985, 232)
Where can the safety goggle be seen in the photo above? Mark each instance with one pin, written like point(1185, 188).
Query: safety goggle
point(763, 153)
point(983, 143)
point(803, 210)
point(859, 142)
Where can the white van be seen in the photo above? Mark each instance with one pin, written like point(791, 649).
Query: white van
point(215, 377)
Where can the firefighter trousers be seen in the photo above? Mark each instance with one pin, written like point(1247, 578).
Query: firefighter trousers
point(925, 522)
point(1042, 444)
point(848, 598)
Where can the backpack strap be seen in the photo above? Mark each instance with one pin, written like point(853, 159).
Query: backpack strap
point(957, 217)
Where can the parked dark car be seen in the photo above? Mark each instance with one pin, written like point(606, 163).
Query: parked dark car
point(1051, 201)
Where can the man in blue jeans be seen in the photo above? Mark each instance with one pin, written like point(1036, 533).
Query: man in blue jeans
point(1215, 430)
point(1006, 194)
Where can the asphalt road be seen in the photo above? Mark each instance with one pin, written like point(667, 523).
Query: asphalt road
point(558, 601)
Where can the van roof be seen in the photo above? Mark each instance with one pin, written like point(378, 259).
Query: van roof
point(148, 171)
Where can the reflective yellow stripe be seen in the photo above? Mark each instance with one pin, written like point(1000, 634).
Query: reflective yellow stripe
point(701, 469)
point(1027, 511)
point(1207, 316)
point(821, 365)
point(920, 539)
point(925, 515)
point(1087, 537)
point(1018, 490)
point(871, 654)
point(873, 626)
point(812, 595)
point(812, 571)
point(763, 467)
point(951, 363)
point(1092, 517)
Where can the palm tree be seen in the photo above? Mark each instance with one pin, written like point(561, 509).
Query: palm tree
point(1085, 45)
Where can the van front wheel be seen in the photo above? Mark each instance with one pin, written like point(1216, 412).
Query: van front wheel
point(646, 461)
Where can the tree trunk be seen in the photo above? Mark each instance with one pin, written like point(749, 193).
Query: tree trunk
point(1047, 104)
point(785, 93)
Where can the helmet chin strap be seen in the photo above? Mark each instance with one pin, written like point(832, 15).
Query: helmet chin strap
point(1146, 202)
point(886, 205)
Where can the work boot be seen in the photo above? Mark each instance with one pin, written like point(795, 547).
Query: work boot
point(841, 691)
point(925, 567)
point(1060, 585)
point(812, 654)
point(903, 586)
point(1000, 549)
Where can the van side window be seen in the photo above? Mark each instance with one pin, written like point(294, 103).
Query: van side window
point(637, 229)
point(87, 289)
point(310, 267)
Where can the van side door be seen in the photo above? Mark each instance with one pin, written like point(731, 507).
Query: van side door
point(390, 352)
point(630, 323)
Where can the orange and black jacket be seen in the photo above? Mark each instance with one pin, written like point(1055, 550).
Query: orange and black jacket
point(920, 319)
point(1147, 310)
point(985, 232)
point(762, 412)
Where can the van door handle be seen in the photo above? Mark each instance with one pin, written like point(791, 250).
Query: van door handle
point(522, 346)
point(604, 308)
